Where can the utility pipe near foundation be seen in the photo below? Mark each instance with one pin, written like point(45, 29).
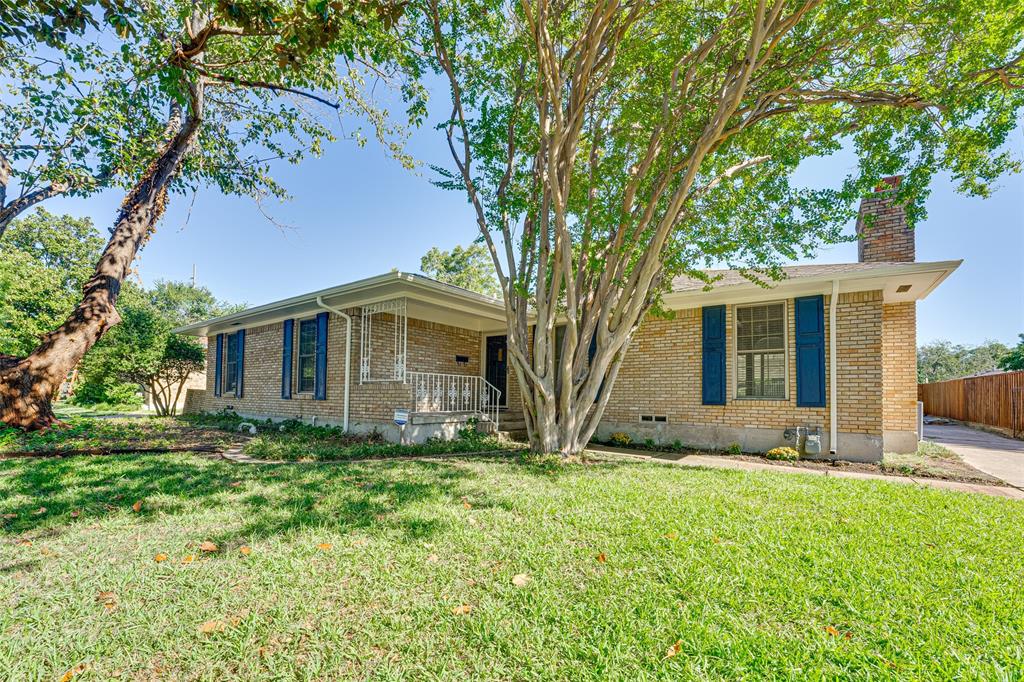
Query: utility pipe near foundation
point(348, 353)
point(833, 388)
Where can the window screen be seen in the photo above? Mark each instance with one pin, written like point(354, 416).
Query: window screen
point(307, 356)
point(761, 351)
point(231, 364)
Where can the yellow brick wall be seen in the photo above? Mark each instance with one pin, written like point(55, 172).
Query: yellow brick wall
point(661, 374)
point(899, 366)
point(431, 348)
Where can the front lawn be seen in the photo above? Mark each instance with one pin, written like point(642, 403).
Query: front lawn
point(276, 441)
point(497, 569)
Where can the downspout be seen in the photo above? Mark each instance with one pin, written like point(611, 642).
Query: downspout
point(833, 389)
point(348, 353)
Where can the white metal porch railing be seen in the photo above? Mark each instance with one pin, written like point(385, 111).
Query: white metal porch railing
point(435, 392)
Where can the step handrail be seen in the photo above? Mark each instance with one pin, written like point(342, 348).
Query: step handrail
point(440, 392)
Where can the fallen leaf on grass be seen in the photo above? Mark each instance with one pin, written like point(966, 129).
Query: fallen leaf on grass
point(234, 484)
point(212, 626)
point(359, 542)
point(325, 546)
point(160, 557)
point(108, 599)
point(671, 535)
point(521, 579)
point(41, 510)
point(80, 668)
point(10, 516)
point(466, 504)
point(433, 558)
point(831, 630)
point(188, 559)
point(207, 546)
point(137, 507)
point(674, 649)
point(25, 543)
point(602, 558)
point(245, 549)
point(75, 514)
point(462, 610)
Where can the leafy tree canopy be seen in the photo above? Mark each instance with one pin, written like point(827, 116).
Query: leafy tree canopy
point(44, 261)
point(181, 303)
point(143, 351)
point(607, 147)
point(468, 267)
point(93, 109)
point(1014, 359)
point(942, 360)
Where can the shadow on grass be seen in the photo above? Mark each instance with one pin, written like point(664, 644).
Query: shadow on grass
point(46, 497)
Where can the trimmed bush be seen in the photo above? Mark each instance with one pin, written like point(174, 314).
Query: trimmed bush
point(784, 454)
point(619, 438)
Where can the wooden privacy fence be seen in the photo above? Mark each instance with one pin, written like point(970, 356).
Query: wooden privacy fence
point(993, 399)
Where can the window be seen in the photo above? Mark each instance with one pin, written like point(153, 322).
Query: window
point(231, 364)
point(307, 356)
point(761, 351)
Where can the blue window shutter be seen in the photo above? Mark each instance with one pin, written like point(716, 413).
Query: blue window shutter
point(713, 355)
point(320, 373)
point(218, 364)
point(239, 361)
point(810, 351)
point(286, 359)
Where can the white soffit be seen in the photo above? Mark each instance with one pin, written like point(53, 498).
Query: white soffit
point(898, 284)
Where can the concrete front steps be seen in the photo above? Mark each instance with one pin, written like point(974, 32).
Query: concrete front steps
point(512, 425)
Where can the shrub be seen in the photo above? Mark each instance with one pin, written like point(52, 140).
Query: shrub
point(649, 443)
point(677, 445)
point(619, 438)
point(107, 391)
point(785, 454)
point(735, 449)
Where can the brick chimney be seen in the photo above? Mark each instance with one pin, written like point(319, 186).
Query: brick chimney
point(887, 239)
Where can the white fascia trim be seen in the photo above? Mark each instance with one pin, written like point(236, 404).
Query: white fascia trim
point(749, 292)
point(432, 292)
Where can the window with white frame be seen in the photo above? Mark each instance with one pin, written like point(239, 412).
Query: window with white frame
point(761, 351)
point(307, 356)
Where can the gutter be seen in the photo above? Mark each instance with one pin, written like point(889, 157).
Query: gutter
point(348, 354)
point(833, 389)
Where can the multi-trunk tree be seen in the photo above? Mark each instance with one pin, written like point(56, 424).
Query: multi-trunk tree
point(608, 146)
point(197, 92)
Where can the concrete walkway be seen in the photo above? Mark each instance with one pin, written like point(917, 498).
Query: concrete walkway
point(726, 463)
point(996, 455)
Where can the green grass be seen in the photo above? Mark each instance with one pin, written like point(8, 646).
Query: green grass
point(64, 410)
point(915, 583)
point(83, 433)
point(934, 461)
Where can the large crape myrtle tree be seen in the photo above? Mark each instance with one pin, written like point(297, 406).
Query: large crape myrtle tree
point(608, 146)
point(177, 94)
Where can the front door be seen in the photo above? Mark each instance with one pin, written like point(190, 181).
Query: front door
point(496, 365)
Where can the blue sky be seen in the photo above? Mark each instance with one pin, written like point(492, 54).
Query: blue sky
point(355, 213)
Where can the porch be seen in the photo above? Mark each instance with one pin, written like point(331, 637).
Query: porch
point(449, 367)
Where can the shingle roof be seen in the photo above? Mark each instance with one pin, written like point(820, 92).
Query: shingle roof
point(724, 278)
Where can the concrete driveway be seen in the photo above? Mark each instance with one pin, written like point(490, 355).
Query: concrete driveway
point(995, 455)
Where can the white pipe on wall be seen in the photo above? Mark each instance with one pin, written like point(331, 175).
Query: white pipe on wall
point(833, 389)
point(348, 353)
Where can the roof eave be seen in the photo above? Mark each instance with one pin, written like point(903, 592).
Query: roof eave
point(812, 284)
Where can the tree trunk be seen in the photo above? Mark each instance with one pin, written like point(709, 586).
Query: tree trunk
point(27, 386)
point(562, 417)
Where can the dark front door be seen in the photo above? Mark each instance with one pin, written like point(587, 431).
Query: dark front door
point(496, 365)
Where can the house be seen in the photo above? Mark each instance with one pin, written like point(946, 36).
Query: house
point(737, 363)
